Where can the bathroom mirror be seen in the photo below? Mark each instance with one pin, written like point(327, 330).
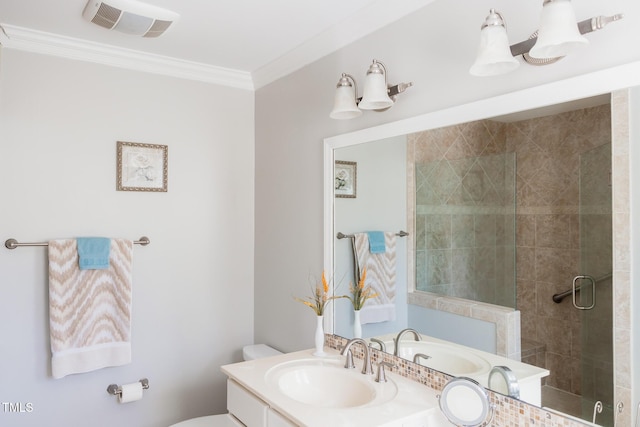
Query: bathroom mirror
point(555, 96)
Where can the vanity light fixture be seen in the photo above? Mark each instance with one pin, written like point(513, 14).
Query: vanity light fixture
point(559, 35)
point(345, 103)
point(377, 96)
point(494, 56)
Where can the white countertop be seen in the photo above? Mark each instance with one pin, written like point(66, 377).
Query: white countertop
point(412, 401)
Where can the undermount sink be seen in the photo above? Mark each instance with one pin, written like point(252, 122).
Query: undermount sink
point(326, 383)
point(444, 358)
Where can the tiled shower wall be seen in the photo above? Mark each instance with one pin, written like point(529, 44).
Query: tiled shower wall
point(549, 151)
point(548, 154)
point(464, 211)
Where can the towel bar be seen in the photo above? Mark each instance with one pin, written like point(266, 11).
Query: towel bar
point(341, 235)
point(13, 243)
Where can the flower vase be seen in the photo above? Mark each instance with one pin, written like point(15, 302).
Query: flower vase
point(357, 326)
point(319, 337)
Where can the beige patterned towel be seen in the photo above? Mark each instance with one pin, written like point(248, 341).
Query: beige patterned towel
point(381, 276)
point(89, 310)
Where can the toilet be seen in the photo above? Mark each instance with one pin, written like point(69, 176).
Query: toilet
point(249, 352)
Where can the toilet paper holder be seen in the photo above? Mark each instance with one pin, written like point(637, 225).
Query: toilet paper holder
point(115, 389)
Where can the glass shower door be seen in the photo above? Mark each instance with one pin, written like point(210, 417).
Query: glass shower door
point(596, 324)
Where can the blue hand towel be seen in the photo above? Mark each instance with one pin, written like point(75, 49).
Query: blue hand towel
point(376, 242)
point(93, 253)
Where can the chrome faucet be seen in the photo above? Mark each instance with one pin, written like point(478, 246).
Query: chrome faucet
point(381, 377)
point(416, 336)
point(379, 342)
point(418, 356)
point(367, 369)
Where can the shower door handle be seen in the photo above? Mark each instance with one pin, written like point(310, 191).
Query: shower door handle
point(578, 288)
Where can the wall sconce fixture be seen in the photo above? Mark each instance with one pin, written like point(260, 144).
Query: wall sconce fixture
point(558, 35)
point(378, 95)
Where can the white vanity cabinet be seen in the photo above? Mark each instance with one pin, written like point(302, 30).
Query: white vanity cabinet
point(274, 419)
point(251, 410)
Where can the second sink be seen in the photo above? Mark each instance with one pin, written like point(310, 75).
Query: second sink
point(443, 358)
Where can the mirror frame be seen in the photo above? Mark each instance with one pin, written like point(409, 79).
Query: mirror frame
point(557, 92)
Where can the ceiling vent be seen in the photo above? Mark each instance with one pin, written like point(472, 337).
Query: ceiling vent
point(130, 17)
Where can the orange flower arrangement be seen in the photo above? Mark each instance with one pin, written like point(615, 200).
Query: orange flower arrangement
point(320, 297)
point(361, 293)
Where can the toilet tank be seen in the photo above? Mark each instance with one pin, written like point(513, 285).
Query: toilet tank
point(258, 351)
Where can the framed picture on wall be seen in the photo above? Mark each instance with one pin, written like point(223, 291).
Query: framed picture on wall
point(345, 179)
point(142, 167)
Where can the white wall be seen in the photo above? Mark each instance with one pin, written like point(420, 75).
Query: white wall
point(193, 285)
point(292, 121)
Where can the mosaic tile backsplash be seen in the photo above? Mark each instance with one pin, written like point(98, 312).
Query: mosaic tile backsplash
point(508, 412)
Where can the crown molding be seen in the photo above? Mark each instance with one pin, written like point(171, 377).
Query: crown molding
point(367, 20)
point(25, 39)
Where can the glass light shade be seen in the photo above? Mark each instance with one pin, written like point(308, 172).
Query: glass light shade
point(494, 55)
point(344, 104)
point(375, 96)
point(558, 34)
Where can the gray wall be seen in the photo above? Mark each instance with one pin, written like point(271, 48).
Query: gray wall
point(192, 286)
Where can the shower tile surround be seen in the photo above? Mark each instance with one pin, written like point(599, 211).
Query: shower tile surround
point(465, 213)
point(508, 411)
point(547, 234)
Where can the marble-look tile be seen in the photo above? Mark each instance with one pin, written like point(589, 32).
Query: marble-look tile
point(437, 231)
point(420, 236)
point(462, 231)
point(422, 283)
point(620, 123)
point(529, 159)
point(626, 413)
point(554, 231)
point(551, 181)
point(463, 266)
point(526, 263)
point(557, 337)
point(485, 230)
point(526, 230)
point(438, 267)
point(559, 366)
point(622, 351)
point(620, 182)
point(514, 338)
point(461, 307)
point(557, 265)
point(485, 264)
point(621, 244)
point(622, 297)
